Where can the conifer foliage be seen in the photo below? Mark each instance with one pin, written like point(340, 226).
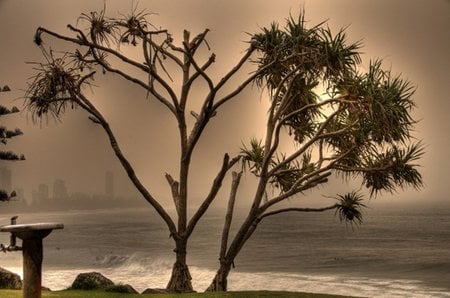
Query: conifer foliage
point(5, 135)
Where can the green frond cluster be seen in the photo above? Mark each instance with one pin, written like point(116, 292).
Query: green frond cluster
point(300, 124)
point(253, 156)
point(393, 168)
point(364, 127)
point(287, 173)
point(314, 52)
point(381, 102)
point(133, 24)
point(349, 207)
point(290, 172)
point(127, 29)
point(102, 29)
point(340, 56)
point(294, 60)
point(54, 87)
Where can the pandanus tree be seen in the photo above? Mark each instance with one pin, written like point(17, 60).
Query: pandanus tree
point(340, 121)
point(342, 134)
point(5, 134)
point(60, 82)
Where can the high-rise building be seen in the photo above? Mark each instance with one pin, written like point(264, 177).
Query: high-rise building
point(60, 190)
point(5, 179)
point(109, 184)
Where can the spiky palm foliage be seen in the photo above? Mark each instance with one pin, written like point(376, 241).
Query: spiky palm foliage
point(349, 207)
point(102, 30)
point(364, 126)
point(360, 125)
point(394, 168)
point(55, 87)
point(252, 157)
point(314, 52)
point(133, 26)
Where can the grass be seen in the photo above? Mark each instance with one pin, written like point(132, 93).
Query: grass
point(103, 294)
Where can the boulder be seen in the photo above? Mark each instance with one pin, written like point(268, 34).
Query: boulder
point(155, 291)
point(121, 288)
point(91, 281)
point(9, 280)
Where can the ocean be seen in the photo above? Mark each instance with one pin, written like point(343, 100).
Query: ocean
point(394, 253)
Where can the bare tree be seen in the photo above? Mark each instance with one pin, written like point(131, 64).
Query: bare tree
point(360, 130)
point(359, 125)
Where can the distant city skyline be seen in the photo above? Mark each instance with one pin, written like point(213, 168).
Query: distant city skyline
point(61, 196)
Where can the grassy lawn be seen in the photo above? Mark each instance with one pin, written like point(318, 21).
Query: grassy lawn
point(102, 294)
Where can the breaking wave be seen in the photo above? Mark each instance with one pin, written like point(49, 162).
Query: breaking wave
point(143, 272)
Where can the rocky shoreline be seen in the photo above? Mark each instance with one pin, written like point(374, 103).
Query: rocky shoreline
point(9, 280)
point(83, 281)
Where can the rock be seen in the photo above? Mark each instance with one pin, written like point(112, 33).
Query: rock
point(91, 281)
point(9, 280)
point(155, 291)
point(121, 288)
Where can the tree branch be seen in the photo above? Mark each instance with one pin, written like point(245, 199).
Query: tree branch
point(151, 87)
point(217, 183)
point(175, 188)
point(297, 210)
point(163, 51)
point(229, 215)
point(230, 74)
point(125, 59)
point(318, 136)
point(200, 71)
point(90, 108)
point(315, 178)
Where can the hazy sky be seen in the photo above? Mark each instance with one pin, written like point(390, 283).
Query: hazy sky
point(412, 36)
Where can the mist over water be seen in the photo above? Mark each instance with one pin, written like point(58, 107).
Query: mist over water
point(393, 254)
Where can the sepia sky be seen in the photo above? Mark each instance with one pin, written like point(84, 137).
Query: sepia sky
point(412, 36)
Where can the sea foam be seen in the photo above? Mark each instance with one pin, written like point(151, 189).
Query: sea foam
point(143, 273)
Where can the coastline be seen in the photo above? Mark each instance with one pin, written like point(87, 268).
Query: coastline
point(392, 255)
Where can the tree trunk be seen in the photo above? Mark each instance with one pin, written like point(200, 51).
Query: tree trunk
point(180, 281)
point(220, 281)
